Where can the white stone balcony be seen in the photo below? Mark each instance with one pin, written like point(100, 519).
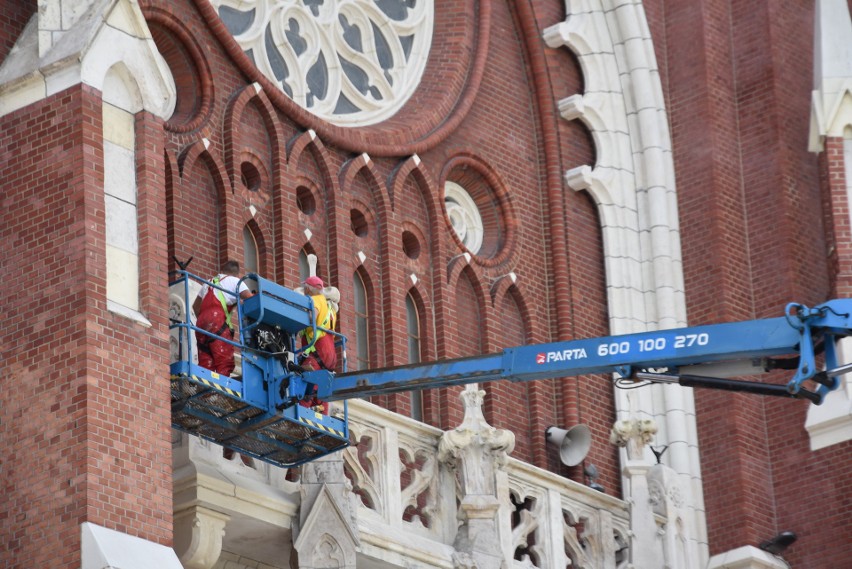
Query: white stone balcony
point(404, 495)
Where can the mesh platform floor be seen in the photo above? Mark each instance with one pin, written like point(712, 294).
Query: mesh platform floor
point(275, 438)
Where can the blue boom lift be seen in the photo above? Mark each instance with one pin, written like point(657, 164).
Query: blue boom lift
point(259, 414)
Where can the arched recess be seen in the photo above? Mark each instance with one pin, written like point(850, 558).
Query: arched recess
point(360, 181)
point(199, 221)
point(410, 253)
point(411, 178)
point(362, 330)
point(172, 179)
point(252, 129)
point(308, 179)
point(364, 240)
point(514, 330)
point(121, 101)
point(187, 63)
point(253, 159)
point(467, 337)
point(419, 220)
point(418, 404)
point(255, 250)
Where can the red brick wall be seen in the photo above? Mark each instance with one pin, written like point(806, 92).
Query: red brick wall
point(499, 130)
point(85, 413)
point(750, 216)
point(836, 204)
point(738, 78)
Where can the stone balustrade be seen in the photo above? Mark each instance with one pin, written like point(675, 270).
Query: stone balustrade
point(405, 497)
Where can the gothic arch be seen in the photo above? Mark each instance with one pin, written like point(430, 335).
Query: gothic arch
point(634, 187)
point(251, 95)
point(186, 60)
point(198, 154)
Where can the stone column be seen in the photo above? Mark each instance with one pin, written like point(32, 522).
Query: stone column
point(667, 500)
point(477, 452)
point(645, 548)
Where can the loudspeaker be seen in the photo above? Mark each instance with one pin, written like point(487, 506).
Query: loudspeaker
point(573, 443)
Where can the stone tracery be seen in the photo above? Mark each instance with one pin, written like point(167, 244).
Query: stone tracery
point(351, 63)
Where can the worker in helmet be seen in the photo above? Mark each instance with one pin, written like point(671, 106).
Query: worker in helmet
point(322, 354)
point(214, 307)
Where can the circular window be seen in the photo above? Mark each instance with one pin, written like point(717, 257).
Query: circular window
point(359, 223)
point(186, 61)
point(410, 245)
point(350, 62)
point(250, 176)
point(464, 216)
point(305, 200)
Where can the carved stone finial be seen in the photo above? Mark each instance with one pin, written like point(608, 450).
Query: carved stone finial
point(633, 434)
point(475, 430)
point(463, 560)
point(477, 451)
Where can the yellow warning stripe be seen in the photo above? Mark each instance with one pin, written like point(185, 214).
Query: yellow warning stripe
point(321, 427)
point(210, 384)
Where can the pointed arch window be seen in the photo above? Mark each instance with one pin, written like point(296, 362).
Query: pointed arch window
point(250, 253)
point(412, 333)
point(362, 321)
point(304, 267)
point(251, 257)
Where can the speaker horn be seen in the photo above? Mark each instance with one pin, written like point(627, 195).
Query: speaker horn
point(573, 443)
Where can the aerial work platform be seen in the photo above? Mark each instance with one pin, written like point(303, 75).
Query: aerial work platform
point(253, 414)
point(260, 414)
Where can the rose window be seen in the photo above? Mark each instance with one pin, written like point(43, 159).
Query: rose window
point(350, 62)
point(464, 216)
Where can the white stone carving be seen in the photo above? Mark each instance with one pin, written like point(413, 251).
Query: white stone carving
point(523, 532)
point(182, 339)
point(102, 547)
point(831, 115)
point(633, 434)
point(351, 63)
point(633, 184)
point(746, 557)
point(478, 452)
point(95, 36)
point(464, 216)
point(422, 484)
point(667, 501)
point(362, 463)
point(831, 108)
point(575, 543)
point(326, 535)
point(198, 536)
point(266, 507)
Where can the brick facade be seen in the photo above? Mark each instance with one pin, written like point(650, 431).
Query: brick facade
point(751, 212)
point(86, 414)
point(763, 222)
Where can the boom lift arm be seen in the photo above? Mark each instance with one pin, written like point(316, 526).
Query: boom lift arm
point(666, 356)
point(259, 414)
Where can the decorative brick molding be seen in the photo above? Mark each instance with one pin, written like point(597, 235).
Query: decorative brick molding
point(186, 60)
point(450, 86)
